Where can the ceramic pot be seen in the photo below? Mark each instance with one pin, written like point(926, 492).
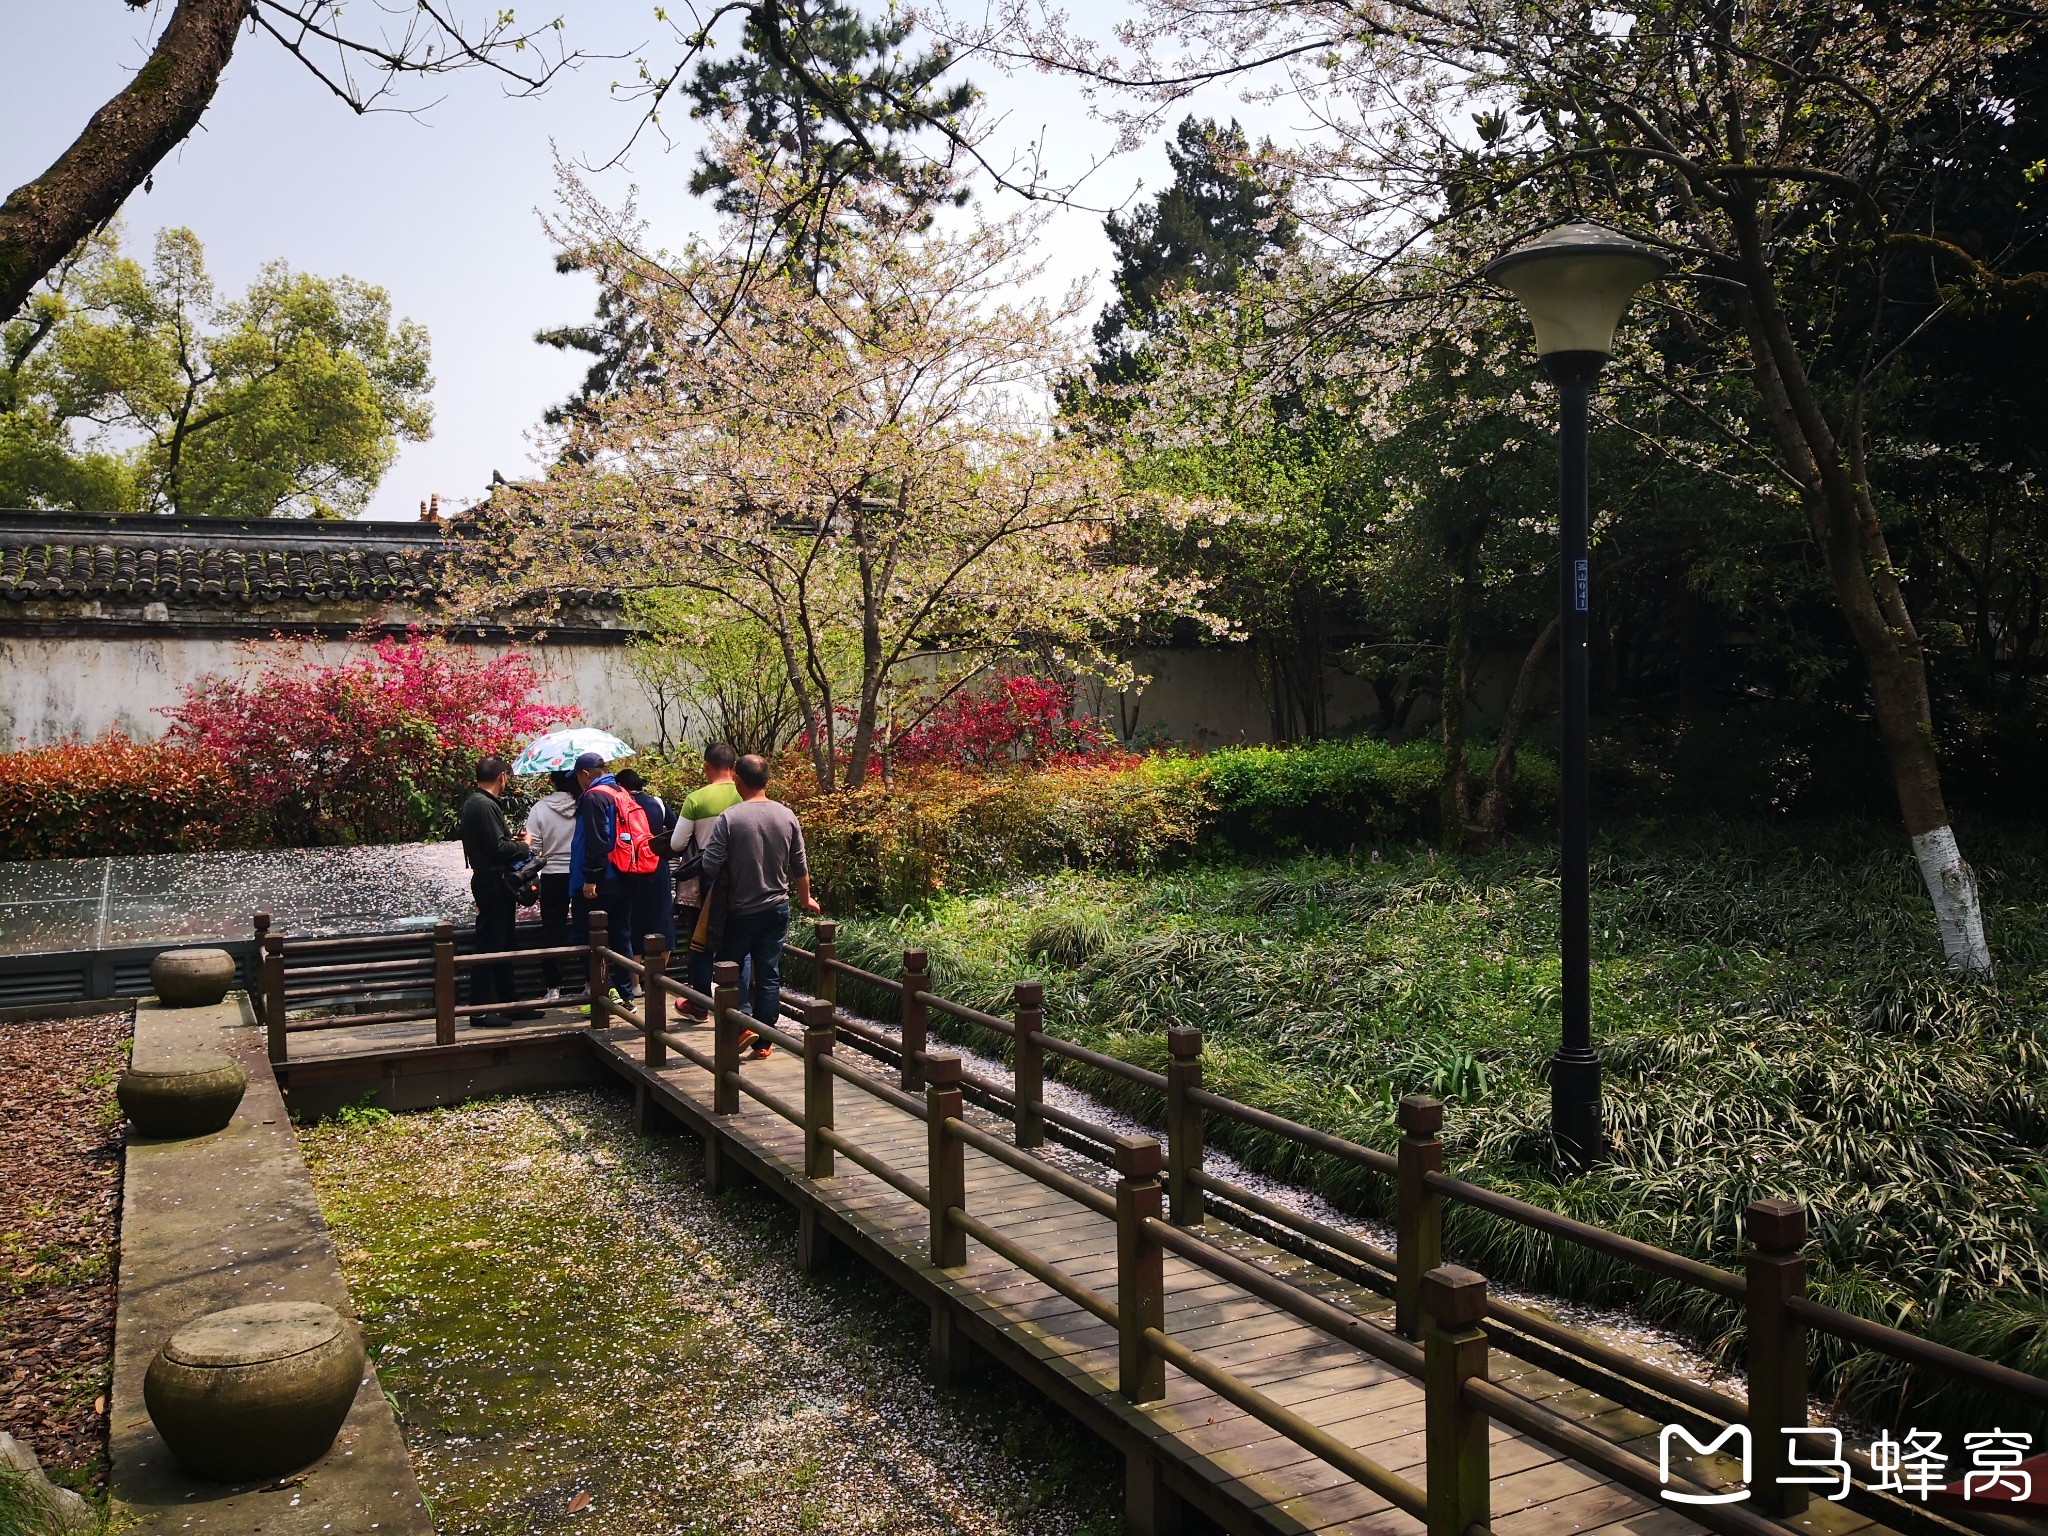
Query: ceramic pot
point(252, 1393)
point(189, 1095)
point(192, 978)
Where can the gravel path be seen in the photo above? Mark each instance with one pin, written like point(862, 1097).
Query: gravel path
point(60, 1207)
point(575, 1333)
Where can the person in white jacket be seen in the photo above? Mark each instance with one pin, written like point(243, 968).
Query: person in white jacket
point(551, 827)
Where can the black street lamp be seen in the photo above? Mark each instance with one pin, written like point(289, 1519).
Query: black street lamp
point(1574, 282)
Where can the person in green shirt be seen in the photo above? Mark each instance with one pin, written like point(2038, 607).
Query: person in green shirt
point(695, 818)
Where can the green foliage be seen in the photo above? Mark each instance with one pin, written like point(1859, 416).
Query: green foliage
point(714, 677)
point(1769, 1018)
point(887, 846)
point(292, 399)
point(26, 1511)
point(890, 846)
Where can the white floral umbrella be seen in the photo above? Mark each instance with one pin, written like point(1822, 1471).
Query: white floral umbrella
point(560, 749)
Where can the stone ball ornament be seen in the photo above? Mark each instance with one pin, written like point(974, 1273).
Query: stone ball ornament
point(192, 978)
point(255, 1392)
point(194, 1094)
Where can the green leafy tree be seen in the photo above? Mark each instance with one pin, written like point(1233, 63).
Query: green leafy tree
point(144, 386)
point(1779, 153)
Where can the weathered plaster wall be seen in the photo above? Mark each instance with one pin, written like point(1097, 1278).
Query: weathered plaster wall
point(53, 687)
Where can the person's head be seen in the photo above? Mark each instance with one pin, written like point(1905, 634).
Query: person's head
point(589, 769)
point(718, 760)
point(491, 774)
point(562, 779)
point(752, 773)
point(630, 781)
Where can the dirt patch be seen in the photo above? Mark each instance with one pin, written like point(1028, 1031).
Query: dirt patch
point(60, 1207)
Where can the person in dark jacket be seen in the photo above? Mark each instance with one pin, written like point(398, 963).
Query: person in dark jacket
point(657, 910)
point(604, 888)
point(492, 849)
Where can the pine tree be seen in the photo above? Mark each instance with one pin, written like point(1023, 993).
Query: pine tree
point(1218, 220)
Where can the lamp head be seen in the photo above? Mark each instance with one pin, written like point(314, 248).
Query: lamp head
point(1574, 282)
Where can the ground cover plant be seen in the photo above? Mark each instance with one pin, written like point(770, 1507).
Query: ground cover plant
point(1774, 1021)
point(569, 1326)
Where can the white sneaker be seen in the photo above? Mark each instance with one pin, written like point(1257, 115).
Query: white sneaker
point(552, 995)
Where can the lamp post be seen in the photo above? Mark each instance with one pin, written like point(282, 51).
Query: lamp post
point(1574, 281)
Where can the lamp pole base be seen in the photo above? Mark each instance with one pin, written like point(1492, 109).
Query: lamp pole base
point(1575, 1119)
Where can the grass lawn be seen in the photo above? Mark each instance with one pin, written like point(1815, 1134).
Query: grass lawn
point(1771, 1006)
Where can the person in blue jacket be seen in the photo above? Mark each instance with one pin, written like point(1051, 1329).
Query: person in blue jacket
point(602, 886)
point(657, 910)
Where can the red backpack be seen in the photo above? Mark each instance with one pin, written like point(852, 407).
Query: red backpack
point(633, 850)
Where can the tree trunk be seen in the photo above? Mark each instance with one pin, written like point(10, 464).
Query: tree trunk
point(1867, 586)
point(1454, 794)
point(1500, 787)
point(43, 219)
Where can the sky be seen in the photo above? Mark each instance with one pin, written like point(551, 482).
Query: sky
point(442, 207)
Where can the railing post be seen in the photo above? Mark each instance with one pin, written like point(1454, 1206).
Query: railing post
point(1776, 1273)
point(1457, 1470)
point(1029, 1002)
point(1184, 1125)
point(1140, 1268)
point(946, 1159)
point(600, 972)
point(444, 983)
point(825, 945)
point(273, 995)
point(654, 998)
point(260, 922)
point(1419, 1210)
point(819, 1038)
point(916, 982)
point(725, 1036)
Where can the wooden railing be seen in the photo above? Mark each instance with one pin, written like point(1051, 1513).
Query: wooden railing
point(1445, 1322)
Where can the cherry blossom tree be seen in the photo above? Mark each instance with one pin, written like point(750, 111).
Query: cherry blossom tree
point(860, 461)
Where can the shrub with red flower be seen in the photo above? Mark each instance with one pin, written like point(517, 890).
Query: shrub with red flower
point(377, 748)
point(1014, 721)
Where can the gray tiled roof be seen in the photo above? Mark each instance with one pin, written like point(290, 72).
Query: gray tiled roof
point(214, 563)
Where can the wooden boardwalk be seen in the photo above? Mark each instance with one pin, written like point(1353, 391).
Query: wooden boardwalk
point(1193, 1447)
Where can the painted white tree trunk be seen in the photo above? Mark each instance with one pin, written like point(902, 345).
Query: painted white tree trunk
point(1954, 892)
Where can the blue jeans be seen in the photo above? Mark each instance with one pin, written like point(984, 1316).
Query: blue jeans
point(617, 896)
point(758, 936)
point(654, 909)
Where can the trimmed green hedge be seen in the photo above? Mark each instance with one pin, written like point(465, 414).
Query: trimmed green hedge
point(902, 844)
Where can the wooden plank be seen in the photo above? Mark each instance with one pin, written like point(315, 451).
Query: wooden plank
point(1274, 1481)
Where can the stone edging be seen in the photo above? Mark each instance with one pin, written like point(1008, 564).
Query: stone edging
point(221, 1221)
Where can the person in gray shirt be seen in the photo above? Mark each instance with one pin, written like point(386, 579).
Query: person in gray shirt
point(759, 844)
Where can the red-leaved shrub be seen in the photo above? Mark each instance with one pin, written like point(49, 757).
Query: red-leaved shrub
point(1015, 720)
point(81, 799)
point(378, 748)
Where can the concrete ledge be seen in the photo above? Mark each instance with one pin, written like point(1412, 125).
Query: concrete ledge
point(221, 1221)
point(429, 1076)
